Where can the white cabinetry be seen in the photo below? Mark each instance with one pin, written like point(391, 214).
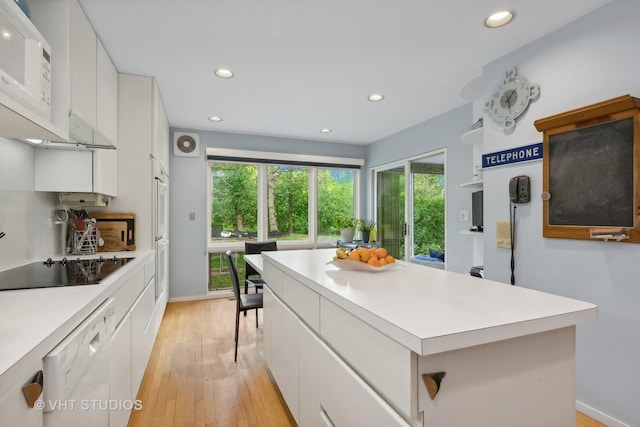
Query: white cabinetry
point(142, 334)
point(138, 125)
point(85, 94)
point(120, 383)
point(14, 410)
point(303, 365)
point(83, 61)
point(84, 80)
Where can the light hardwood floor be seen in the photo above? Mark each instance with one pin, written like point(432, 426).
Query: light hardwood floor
point(192, 380)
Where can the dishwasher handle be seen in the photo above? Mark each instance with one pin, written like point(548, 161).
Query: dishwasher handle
point(33, 389)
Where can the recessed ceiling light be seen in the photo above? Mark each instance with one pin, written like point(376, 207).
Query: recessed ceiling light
point(499, 19)
point(215, 119)
point(6, 35)
point(375, 97)
point(224, 73)
point(325, 130)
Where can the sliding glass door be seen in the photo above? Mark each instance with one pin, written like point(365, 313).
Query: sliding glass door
point(410, 205)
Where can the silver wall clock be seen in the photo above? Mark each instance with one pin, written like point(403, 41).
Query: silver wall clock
point(510, 98)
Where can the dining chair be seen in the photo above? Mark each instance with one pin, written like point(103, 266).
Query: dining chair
point(255, 248)
point(244, 302)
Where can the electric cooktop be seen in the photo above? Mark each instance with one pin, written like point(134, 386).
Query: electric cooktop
point(49, 274)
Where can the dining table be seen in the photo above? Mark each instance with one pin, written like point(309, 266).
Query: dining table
point(255, 261)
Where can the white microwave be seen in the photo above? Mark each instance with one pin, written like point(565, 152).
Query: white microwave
point(25, 60)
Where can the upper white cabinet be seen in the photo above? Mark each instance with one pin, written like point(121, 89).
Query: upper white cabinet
point(84, 80)
point(160, 143)
point(83, 59)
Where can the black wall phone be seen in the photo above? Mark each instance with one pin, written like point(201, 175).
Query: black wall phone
point(520, 189)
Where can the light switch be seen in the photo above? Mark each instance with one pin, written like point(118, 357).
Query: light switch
point(192, 216)
point(503, 234)
point(464, 215)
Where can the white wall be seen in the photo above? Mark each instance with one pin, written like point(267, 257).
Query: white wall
point(443, 131)
point(591, 60)
point(24, 213)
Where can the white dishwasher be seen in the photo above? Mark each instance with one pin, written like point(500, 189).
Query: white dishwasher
point(76, 372)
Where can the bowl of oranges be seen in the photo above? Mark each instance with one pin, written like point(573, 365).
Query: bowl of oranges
point(363, 259)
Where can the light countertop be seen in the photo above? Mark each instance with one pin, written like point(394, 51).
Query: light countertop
point(430, 310)
point(33, 321)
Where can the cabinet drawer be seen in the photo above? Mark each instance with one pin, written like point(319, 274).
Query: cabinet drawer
point(126, 295)
point(388, 366)
point(303, 301)
point(348, 401)
point(273, 276)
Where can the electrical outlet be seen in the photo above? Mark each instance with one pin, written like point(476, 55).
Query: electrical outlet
point(192, 216)
point(503, 234)
point(464, 215)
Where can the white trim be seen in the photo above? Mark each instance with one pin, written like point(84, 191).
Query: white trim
point(269, 155)
point(599, 416)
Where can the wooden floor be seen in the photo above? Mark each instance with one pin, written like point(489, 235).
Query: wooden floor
point(192, 380)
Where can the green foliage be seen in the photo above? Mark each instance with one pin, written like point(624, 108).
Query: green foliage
point(366, 225)
point(341, 221)
point(428, 213)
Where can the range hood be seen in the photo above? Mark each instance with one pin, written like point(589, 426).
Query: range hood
point(81, 137)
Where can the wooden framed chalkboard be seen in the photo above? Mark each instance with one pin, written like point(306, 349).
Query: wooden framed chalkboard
point(591, 168)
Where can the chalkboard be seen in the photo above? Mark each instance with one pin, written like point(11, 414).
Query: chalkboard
point(591, 174)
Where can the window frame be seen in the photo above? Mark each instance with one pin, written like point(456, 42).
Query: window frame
point(263, 160)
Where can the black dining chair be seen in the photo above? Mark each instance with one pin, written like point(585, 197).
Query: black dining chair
point(249, 272)
point(244, 302)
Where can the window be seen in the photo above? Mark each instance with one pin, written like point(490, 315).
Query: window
point(275, 196)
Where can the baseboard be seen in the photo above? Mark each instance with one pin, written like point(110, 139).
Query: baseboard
point(599, 416)
point(210, 295)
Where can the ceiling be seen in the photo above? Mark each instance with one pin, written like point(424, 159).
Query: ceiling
point(304, 65)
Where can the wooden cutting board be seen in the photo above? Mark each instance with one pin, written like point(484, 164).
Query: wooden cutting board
point(114, 234)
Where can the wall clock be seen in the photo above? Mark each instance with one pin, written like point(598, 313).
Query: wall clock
point(510, 98)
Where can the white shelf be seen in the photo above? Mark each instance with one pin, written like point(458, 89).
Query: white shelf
point(478, 183)
point(473, 233)
point(472, 90)
point(472, 137)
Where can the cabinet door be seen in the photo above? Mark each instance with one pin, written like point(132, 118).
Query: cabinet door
point(82, 45)
point(106, 98)
point(284, 354)
point(140, 319)
point(160, 143)
point(105, 172)
point(14, 410)
point(63, 171)
point(120, 384)
point(267, 324)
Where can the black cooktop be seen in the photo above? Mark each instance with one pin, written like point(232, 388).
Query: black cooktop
point(49, 274)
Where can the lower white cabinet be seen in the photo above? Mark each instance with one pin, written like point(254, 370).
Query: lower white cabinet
point(14, 410)
point(142, 334)
point(320, 389)
point(120, 384)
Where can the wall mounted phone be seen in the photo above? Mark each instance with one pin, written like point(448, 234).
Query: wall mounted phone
point(520, 189)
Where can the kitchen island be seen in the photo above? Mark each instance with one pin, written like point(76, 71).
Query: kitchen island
point(416, 346)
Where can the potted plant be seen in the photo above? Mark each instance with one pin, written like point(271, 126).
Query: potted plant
point(365, 226)
point(346, 225)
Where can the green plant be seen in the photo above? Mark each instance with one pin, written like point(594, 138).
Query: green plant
point(341, 221)
point(366, 225)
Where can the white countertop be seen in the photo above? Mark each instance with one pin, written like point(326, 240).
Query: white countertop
point(430, 310)
point(33, 321)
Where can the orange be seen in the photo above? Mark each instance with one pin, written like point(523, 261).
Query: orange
point(374, 262)
point(365, 255)
point(354, 255)
point(389, 259)
point(381, 252)
point(382, 261)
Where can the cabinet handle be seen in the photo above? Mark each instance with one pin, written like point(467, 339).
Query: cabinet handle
point(432, 381)
point(33, 389)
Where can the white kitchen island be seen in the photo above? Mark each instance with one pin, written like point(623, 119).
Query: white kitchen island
point(350, 348)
